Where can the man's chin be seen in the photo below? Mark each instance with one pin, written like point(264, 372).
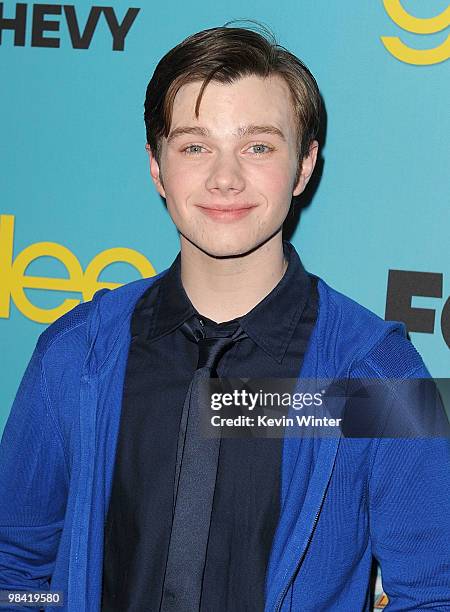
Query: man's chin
point(224, 252)
point(222, 249)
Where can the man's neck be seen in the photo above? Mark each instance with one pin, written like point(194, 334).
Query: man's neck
point(225, 288)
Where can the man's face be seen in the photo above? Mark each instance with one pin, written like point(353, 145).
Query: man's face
point(228, 176)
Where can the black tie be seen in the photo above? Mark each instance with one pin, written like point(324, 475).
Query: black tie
point(195, 477)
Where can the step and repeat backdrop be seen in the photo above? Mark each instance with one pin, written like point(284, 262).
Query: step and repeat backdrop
point(78, 210)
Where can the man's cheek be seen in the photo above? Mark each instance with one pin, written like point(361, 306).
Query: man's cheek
point(176, 174)
point(274, 182)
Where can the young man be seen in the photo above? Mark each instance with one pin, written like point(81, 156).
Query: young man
point(109, 492)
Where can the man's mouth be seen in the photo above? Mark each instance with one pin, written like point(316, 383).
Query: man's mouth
point(227, 213)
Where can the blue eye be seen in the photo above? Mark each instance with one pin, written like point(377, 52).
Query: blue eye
point(189, 150)
point(260, 148)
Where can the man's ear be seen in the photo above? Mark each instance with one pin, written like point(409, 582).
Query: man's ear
point(155, 172)
point(308, 163)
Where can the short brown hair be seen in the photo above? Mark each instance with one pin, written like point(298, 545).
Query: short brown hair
point(225, 54)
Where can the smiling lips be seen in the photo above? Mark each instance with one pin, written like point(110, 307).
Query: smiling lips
point(227, 213)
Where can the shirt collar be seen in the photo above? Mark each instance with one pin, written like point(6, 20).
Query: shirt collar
point(271, 323)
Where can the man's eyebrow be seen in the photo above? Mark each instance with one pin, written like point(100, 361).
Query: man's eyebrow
point(247, 130)
point(254, 130)
point(179, 131)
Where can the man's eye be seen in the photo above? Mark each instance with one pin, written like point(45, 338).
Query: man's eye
point(193, 149)
point(260, 149)
point(257, 149)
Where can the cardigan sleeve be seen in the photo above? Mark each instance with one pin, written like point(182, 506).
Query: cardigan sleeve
point(33, 486)
point(410, 522)
point(409, 492)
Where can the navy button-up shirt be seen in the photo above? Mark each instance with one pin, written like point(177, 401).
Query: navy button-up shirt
point(245, 511)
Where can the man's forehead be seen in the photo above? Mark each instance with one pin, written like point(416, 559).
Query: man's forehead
point(273, 86)
point(248, 106)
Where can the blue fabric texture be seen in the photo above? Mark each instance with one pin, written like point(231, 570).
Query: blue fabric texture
point(342, 499)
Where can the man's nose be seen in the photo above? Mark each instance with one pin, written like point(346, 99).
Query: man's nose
point(226, 174)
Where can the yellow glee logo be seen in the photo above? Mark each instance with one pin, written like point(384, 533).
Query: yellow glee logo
point(14, 280)
point(422, 57)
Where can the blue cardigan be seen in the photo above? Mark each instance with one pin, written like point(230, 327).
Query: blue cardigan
point(342, 500)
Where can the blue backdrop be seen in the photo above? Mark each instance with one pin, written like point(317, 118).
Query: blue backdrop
point(78, 210)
